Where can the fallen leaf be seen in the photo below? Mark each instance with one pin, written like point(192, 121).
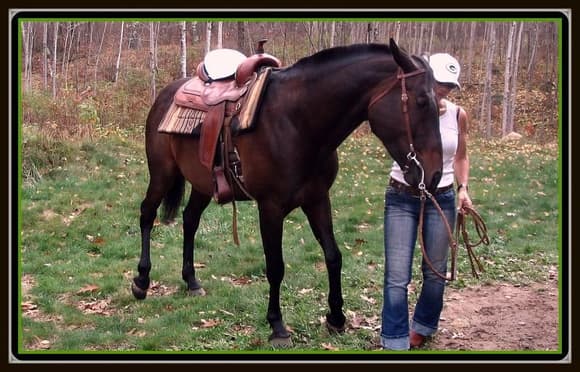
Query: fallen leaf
point(88, 288)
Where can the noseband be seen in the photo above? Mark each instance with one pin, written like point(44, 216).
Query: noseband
point(411, 155)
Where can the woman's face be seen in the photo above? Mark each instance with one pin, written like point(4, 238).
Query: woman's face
point(443, 89)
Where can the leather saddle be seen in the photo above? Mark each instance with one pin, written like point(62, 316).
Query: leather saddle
point(221, 100)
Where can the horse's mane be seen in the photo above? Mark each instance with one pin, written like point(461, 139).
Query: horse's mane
point(342, 52)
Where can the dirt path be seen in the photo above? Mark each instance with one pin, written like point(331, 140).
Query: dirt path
point(499, 317)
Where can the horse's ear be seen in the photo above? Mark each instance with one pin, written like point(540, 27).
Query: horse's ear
point(401, 56)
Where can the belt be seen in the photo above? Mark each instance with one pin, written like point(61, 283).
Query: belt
point(413, 190)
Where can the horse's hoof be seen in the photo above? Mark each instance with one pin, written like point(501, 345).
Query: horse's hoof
point(280, 342)
point(139, 293)
point(196, 292)
point(335, 328)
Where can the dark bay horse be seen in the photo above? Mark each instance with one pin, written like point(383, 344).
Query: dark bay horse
point(290, 160)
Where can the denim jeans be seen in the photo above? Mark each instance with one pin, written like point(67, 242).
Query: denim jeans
point(400, 228)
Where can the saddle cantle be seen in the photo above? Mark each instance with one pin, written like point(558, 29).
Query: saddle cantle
point(211, 100)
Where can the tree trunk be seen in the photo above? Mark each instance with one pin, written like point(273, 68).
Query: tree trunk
point(54, 50)
point(98, 56)
point(220, 35)
point(486, 101)
point(506, 126)
point(183, 59)
point(533, 53)
point(44, 56)
point(118, 64)
point(470, 52)
point(153, 60)
point(514, 88)
point(208, 37)
point(332, 31)
point(27, 41)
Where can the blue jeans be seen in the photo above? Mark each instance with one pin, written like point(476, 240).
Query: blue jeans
point(400, 228)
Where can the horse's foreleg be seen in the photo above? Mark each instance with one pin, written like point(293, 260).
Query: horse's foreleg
point(191, 216)
point(271, 227)
point(319, 216)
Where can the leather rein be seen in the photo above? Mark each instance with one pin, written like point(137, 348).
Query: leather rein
point(478, 222)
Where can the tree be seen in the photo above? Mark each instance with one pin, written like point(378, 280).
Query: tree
point(117, 65)
point(153, 33)
point(506, 125)
point(220, 35)
point(183, 54)
point(208, 37)
point(54, 50)
point(486, 96)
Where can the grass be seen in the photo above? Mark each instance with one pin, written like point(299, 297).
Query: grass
point(80, 248)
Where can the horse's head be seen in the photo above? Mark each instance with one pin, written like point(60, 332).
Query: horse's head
point(403, 113)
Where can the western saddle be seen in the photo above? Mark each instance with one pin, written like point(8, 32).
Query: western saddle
point(220, 101)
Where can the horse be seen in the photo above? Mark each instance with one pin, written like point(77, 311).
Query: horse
point(290, 158)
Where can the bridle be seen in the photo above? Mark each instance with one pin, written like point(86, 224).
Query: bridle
point(424, 193)
point(390, 84)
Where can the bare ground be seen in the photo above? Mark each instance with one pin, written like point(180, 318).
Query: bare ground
point(499, 317)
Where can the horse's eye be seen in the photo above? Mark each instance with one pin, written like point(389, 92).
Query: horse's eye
point(422, 100)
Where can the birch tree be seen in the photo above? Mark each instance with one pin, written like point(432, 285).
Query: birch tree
point(183, 54)
point(533, 52)
point(98, 56)
point(220, 35)
point(27, 41)
point(506, 125)
point(153, 58)
point(117, 65)
point(54, 54)
point(486, 96)
point(44, 56)
point(208, 37)
point(470, 47)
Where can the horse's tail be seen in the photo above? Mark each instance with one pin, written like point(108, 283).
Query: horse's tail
point(172, 199)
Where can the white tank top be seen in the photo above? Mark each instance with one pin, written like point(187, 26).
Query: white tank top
point(449, 129)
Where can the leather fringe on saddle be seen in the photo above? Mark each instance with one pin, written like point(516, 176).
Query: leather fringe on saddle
point(460, 228)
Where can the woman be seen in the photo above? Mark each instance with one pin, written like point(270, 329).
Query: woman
point(402, 207)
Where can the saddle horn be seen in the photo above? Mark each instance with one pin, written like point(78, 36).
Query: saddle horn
point(260, 46)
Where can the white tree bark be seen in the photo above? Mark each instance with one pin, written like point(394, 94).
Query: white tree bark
point(208, 37)
point(220, 35)
point(506, 126)
point(486, 103)
point(118, 64)
point(54, 50)
point(183, 52)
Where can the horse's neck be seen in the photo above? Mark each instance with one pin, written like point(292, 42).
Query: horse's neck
point(336, 98)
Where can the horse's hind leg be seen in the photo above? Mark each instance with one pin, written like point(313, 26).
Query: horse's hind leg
point(159, 186)
point(318, 211)
point(191, 216)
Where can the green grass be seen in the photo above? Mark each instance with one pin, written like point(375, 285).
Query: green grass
point(81, 244)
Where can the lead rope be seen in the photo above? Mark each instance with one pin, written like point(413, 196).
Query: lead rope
point(452, 242)
point(480, 228)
